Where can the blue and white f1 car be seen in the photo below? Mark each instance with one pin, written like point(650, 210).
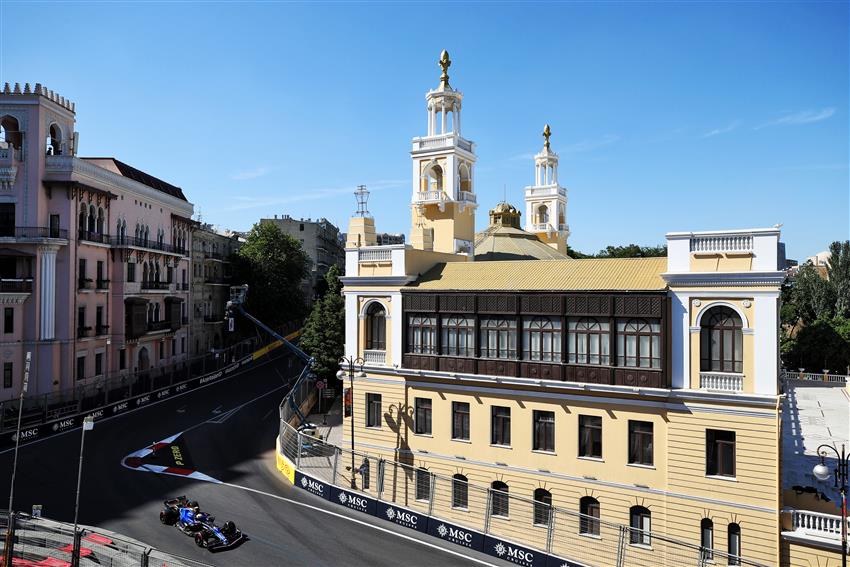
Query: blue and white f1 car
point(185, 514)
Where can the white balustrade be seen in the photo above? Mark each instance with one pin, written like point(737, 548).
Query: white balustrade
point(814, 376)
point(373, 255)
point(816, 523)
point(431, 196)
point(375, 356)
point(468, 196)
point(722, 243)
point(545, 191)
point(721, 381)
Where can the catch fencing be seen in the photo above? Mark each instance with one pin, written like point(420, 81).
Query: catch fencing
point(40, 541)
point(520, 530)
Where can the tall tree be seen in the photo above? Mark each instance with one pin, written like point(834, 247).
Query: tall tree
point(838, 271)
point(273, 264)
point(324, 333)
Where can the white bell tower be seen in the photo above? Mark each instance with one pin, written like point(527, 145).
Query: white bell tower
point(443, 199)
point(546, 200)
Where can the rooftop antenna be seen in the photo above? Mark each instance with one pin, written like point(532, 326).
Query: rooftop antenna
point(362, 196)
point(504, 192)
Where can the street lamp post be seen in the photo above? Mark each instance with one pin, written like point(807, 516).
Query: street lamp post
point(349, 365)
point(88, 425)
point(821, 472)
point(24, 385)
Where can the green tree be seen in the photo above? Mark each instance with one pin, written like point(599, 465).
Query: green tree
point(273, 264)
point(628, 251)
point(324, 333)
point(838, 271)
point(812, 295)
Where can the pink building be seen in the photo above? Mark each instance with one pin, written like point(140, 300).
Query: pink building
point(94, 255)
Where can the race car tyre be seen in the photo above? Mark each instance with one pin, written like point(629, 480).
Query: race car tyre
point(200, 539)
point(167, 517)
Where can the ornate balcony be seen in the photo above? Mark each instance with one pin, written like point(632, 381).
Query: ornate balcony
point(91, 236)
point(375, 356)
point(552, 190)
point(16, 285)
point(148, 244)
point(721, 381)
point(10, 233)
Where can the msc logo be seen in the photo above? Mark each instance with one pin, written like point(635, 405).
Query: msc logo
point(181, 387)
point(313, 486)
point(63, 424)
point(163, 393)
point(143, 400)
point(402, 517)
point(120, 407)
point(26, 434)
point(461, 536)
point(353, 501)
point(96, 415)
point(514, 555)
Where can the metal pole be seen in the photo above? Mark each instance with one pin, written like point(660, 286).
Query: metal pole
point(88, 423)
point(842, 473)
point(351, 393)
point(24, 387)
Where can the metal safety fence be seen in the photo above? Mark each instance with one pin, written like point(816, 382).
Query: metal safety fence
point(522, 530)
point(40, 541)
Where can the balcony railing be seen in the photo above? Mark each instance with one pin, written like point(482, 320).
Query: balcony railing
point(546, 227)
point(721, 381)
point(158, 326)
point(374, 255)
point(92, 236)
point(32, 232)
point(545, 191)
point(431, 196)
point(722, 243)
point(101, 284)
point(101, 330)
point(156, 285)
point(814, 376)
point(184, 286)
point(816, 524)
point(468, 196)
point(83, 332)
point(375, 356)
point(16, 285)
point(84, 283)
point(146, 243)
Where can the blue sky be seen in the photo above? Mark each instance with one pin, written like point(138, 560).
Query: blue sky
point(667, 116)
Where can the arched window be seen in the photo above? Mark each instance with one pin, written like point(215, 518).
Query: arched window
point(499, 501)
point(465, 178)
point(376, 327)
point(589, 521)
point(156, 312)
point(706, 539)
point(156, 272)
point(54, 140)
point(588, 341)
point(498, 337)
point(542, 214)
point(147, 235)
point(138, 233)
point(734, 544)
point(92, 219)
point(432, 178)
point(542, 339)
point(421, 334)
point(542, 506)
point(9, 132)
point(100, 220)
point(640, 522)
point(144, 273)
point(458, 336)
point(460, 492)
point(82, 225)
point(721, 341)
point(639, 343)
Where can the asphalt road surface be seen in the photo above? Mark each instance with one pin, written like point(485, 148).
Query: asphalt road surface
point(229, 432)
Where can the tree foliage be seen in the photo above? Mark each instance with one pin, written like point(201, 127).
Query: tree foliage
point(628, 251)
point(324, 333)
point(815, 315)
point(273, 264)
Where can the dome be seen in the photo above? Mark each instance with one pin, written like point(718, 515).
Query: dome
point(505, 240)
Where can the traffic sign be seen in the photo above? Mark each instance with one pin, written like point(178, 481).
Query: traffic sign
point(329, 393)
point(320, 384)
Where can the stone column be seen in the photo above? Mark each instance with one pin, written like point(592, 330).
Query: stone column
point(444, 118)
point(47, 286)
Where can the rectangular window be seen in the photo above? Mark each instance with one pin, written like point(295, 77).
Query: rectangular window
point(460, 492)
point(544, 430)
point(422, 418)
point(169, 274)
point(460, 421)
point(458, 335)
point(99, 272)
point(590, 436)
point(7, 374)
point(640, 443)
point(81, 367)
point(639, 343)
point(421, 335)
point(542, 339)
point(182, 345)
point(98, 364)
point(54, 226)
point(7, 219)
point(588, 341)
point(81, 318)
point(423, 485)
point(161, 347)
point(498, 337)
point(122, 359)
point(98, 319)
point(719, 452)
point(131, 272)
point(500, 426)
point(373, 410)
point(82, 270)
point(173, 347)
point(8, 319)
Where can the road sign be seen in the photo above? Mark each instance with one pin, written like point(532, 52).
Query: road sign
point(329, 393)
point(320, 384)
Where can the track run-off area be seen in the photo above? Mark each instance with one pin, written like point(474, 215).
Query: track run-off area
point(219, 442)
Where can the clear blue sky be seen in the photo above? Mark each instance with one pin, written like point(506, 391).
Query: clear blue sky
point(667, 116)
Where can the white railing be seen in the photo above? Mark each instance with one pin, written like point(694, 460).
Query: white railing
point(722, 243)
point(816, 523)
point(442, 141)
point(542, 227)
point(564, 227)
point(431, 196)
point(545, 191)
point(814, 376)
point(468, 196)
point(375, 356)
point(721, 381)
point(369, 255)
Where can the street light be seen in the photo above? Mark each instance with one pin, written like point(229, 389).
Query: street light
point(88, 425)
point(349, 365)
point(821, 472)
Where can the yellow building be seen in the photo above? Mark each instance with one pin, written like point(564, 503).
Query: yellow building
point(594, 408)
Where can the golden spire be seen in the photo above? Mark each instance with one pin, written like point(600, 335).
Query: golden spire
point(546, 133)
point(445, 63)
